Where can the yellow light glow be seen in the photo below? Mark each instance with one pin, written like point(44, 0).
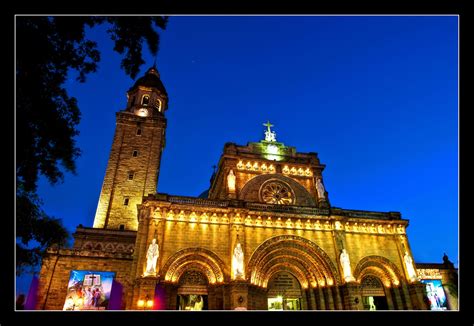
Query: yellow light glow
point(307, 172)
point(300, 171)
point(255, 166)
point(264, 167)
point(141, 303)
point(80, 301)
point(293, 170)
point(286, 169)
point(330, 282)
point(149, 303)
point(240, 165)
point(396, 282)
point(271, 168)
point(248, 166)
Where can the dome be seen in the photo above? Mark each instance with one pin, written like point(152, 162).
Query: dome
point(150, 79)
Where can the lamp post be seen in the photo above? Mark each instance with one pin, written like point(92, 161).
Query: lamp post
point(145, 304)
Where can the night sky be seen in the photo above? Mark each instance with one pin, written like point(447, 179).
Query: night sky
point(376, 97)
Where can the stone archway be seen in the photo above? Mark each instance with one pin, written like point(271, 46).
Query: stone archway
point(306, 261)
point(192, 275)
point(192, 293)
point(378, 277)
point(284, 292)
point(301, 258)
point(198, 258)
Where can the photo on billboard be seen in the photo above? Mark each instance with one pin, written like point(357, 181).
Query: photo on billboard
point(436, 295)
point(89, 290)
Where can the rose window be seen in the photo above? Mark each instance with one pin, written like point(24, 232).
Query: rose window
point(277, 193)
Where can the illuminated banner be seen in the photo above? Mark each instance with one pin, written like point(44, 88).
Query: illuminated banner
point(436, 294)
point(88, 290)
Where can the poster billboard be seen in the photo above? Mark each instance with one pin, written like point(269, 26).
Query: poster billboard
point(436, 295)
point(88, 290)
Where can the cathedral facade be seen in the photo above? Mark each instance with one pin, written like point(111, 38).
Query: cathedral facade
point(263, 237)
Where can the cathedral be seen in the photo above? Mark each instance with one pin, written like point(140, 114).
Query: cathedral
point(264, 236)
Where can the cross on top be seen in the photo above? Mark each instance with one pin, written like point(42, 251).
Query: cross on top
point(268, 125)
point(269, 134)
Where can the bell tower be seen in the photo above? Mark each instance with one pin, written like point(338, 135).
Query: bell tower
point(134, 162)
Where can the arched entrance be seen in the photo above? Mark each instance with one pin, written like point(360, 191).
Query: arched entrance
point(377, 276)
point(194, 274)
point(373, 293)
point(284, 292)
point(305, 266)
point(192, 291)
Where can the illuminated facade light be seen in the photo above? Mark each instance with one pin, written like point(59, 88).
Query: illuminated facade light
point(141, 303)
point(286, 169)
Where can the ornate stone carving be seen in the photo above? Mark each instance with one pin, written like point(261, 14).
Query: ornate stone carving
point(276, 192)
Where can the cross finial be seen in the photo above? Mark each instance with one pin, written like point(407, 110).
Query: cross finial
point(269, 134)
point(268, 125)
point(154, 63)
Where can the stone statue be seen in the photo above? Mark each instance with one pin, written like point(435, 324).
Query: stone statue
point(346, 266)
point(238, 261)
point(320, 188)
point(231, 181)
point(410, 268)
point(151, 258)
point(269, 134)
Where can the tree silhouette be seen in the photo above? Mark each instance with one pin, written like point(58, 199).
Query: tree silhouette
point(47, 49)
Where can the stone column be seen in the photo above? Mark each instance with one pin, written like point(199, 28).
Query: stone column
point(144, 290)
point(352, 297)
point(397, 297)
point(450, 285)
point(406, 297)
point(239, 295)
point(417, 294)
point(388, 296)
point(329, 298)
point(337, 297)
point(320, 302)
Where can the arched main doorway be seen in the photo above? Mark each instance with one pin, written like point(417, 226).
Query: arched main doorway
point(192, 291)
point(373, 293)
point(284, 292)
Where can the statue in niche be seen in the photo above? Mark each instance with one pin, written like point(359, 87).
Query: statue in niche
point(231, 181)
point(238, 261)
point(320, 189)
point(151, 258)
point(410, 268)
point(346, 266)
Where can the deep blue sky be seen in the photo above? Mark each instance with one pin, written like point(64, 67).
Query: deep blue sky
point(376, 97)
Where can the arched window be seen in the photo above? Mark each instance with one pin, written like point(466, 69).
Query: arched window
point(145, 100)
point(158, 104)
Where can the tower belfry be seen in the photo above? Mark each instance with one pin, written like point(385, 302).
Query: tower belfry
point(134, 162)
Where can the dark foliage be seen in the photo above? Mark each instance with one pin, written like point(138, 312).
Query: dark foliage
point(47, 49)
